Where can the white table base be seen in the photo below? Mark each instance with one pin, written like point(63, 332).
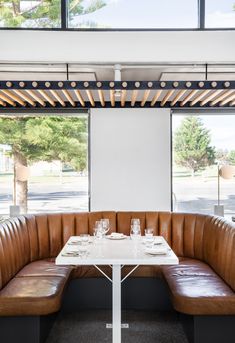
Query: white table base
point(116, 280)
point(116, 303)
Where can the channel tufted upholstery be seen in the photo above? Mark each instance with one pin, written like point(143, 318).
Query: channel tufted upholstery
point(202, 283)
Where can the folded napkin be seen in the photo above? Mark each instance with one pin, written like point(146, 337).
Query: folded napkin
point(116, 235)
point(156, 250)
point(75, 242)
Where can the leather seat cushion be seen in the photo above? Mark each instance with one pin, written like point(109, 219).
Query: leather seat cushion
point(32, 295)
point(45, 267)
point(197, 290)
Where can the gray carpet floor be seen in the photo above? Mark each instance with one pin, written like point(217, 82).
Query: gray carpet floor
point(144, 327)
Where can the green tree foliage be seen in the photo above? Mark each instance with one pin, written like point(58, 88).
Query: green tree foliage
point(43, 139)
point(47, 139)
point(42, 13)
point(231, 157)
point(192, 145)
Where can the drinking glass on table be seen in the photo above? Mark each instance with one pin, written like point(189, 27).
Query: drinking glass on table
point(98, 233)
point(98, 224)
point(135, 221)
point(135, 228)
point(85, 237)
point(82, 251)
point(149, 238)
point(105, 225)
point(98, 229)
point(135, 232)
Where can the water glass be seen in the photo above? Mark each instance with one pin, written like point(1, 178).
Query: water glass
point(135, 232)
point(82, 251)
point(98, 229)
point(85, 237)
point(98, 233)
point(149, 238)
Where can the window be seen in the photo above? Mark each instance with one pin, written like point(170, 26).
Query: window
point(131, 14)
point(200, 144)
point(44, 164)
point(220, 14)
point(30, 14)
point(117, 14)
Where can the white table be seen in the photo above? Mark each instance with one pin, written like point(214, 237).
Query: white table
point(116, 253)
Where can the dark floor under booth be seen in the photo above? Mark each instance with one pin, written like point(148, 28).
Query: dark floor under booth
point(88, 326)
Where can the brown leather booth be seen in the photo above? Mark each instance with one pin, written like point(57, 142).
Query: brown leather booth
point(202, 286)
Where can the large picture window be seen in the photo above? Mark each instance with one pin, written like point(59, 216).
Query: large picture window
point(117, 14)
point(220, 14)
point(30, 14)
point(131, 14)
point(201, 143)
point(43, 164)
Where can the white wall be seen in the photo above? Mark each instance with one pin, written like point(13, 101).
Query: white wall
point(130, 159)
point(111, 47)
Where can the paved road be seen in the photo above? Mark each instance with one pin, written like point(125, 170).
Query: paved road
point(43, 197)
point(192, 195)
point(200, 195)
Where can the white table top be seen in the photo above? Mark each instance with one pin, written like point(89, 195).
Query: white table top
point(116, 252)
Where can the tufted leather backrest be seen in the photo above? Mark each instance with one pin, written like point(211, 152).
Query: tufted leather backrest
point(187, 234)
point(14, 248)
point(182, 231)
point(160, 222)
point(219, 248)
point(48, 233)
point(32, 237)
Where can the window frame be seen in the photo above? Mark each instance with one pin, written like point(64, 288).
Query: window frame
point(64, 24)
point(65, 112)
point(188, 111)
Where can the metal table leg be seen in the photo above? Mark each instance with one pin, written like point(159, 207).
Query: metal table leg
point(116, 304)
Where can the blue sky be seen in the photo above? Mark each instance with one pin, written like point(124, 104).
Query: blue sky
point(159, 13)
point(222, 129)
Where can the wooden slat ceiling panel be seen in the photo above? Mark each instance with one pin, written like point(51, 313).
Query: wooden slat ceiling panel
point(65, 94)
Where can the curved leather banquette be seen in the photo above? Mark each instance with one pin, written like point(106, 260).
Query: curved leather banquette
point(202, 283)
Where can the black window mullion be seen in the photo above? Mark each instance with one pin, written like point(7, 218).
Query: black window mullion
point(64, 14)
point(201, 14)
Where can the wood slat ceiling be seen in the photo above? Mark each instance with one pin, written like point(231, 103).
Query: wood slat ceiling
point(88, 94)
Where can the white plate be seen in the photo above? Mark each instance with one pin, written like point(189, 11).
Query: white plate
point(116, 237)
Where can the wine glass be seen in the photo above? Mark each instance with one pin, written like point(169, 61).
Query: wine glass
point(98, 224)
point(105, 225)
point(135, 221)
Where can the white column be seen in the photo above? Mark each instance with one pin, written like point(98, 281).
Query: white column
point(116, 304)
